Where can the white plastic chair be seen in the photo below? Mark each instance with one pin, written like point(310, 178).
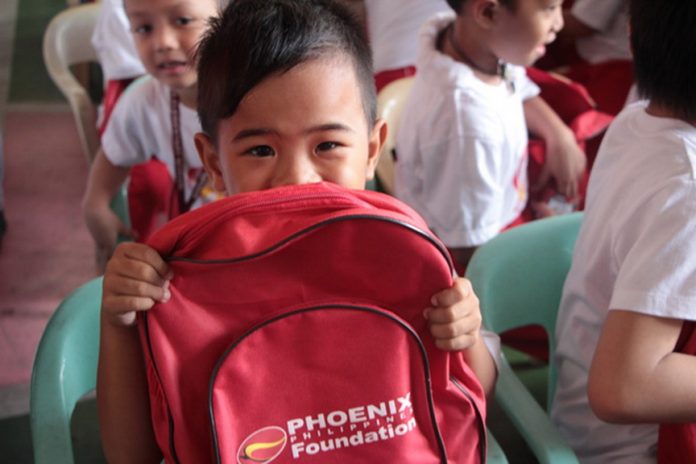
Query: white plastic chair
point(67, 42)
point(390, 103)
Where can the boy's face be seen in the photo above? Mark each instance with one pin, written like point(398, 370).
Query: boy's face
point(165, 34)
point(522, 33)
point(302, 126)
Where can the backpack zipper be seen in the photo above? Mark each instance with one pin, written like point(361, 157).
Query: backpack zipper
point(479, 418)
point(410, 227)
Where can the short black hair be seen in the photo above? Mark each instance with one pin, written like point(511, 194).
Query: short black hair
point(456, 5)
point(663, 38)
point(254, 39)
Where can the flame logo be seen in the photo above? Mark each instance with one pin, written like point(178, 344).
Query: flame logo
point(262, 446)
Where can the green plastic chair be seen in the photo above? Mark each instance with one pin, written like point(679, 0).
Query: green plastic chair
point(518, 277)
point(65, 369)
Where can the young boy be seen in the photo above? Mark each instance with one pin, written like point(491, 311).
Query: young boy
point(282, 106)
point(629, 303)
point(462, 141)
point(155, 118)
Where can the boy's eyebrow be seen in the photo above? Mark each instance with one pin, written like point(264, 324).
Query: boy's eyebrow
point(246, 133)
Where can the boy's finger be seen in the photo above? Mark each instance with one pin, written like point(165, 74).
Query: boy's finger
point(120, 304)
point(127, 287)
point(460, 291)
point(456, 344)
point(447, 331)
point(147, 255)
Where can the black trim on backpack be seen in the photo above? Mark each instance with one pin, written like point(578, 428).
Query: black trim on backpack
point(170, 420)
point(373, 310)
point(479, 419)
point(433, 241)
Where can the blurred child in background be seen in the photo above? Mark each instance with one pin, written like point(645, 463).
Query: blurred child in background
point(626, 332)
point(462, 141)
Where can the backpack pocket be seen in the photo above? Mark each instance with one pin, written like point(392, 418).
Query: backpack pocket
point(333, 383)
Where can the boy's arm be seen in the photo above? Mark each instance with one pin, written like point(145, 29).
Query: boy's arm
point(636, 376)
point(565, 161)
point(135, 278)
point(104, 181)
point(455, 324)
point(123, 399)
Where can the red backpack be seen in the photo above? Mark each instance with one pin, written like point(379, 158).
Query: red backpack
point(295, 334)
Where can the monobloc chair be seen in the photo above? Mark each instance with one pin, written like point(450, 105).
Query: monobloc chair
point(66, 43)
point(390, 103)
point(65, 369)
point(518, 277)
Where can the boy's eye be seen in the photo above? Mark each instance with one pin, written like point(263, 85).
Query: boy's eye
point(142, 28)
point(326, 146)
point(261, 151)
point(183, 21)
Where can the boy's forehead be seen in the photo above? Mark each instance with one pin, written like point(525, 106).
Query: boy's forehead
point(317, 90)
point(133, 6)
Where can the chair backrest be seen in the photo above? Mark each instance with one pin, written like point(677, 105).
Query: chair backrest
point(519, 276)
point(65, 369)
point(390, 103)
point(67, 42)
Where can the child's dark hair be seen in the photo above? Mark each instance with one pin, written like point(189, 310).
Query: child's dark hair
point(254, 39)
point(663, 38)
point(456, 5)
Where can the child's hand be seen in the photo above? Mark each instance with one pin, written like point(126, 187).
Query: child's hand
point(565, 162)
point(136, 278)
point(455, 318)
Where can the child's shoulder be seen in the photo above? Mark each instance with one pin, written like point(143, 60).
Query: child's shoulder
point(146, 89)
point(145, 94)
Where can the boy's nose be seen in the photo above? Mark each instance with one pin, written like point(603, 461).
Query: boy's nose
point(164, 39)
point(558, 22)
point(295, 170)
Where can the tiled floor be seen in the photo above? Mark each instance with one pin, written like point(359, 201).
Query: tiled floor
point(46, 251)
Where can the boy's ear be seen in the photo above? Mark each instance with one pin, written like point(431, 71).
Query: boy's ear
point(485, 12)
point(211, 162)
point(378, 136)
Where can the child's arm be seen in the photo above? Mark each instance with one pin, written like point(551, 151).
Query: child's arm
point(455, 323)
point(135, 278)
point(635, 375)
point(565, 161)
point(104, 181)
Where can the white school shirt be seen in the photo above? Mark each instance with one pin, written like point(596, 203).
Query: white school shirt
point(636, 251)
point(462, 146)
point(393, 29)
point(610, 19)
point(140, 128)
point(113, 42)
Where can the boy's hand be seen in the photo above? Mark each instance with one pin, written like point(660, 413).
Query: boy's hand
point(565, 162)
point(136, 278)
point(455, 317)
